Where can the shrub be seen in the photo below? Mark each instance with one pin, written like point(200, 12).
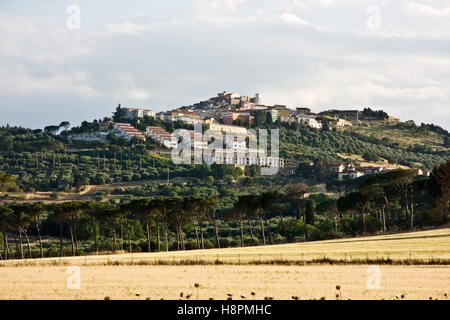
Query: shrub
point(55, 195)
point(248, 241)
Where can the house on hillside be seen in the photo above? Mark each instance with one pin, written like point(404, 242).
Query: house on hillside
point(337, 167)
point(127, 131)
point(227, 128)
point(373, 170)
point(91, 137)
point(162, 136)
point(229, 117)
point(189, 118)
point(245, 158)
point(349, 115)
point(286, 115)
point(342, 123)
point(132, 113)
point(350, 174)
point(309, 121)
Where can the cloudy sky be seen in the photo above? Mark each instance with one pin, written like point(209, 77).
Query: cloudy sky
point(389, 54)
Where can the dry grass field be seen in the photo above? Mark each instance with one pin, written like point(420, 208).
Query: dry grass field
point(413, 265)
point(279, 282)
point(424, 247)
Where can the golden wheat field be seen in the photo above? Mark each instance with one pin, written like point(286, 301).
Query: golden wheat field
point(279, 282)
point(417, 268)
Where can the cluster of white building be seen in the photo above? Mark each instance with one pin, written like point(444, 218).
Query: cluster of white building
point(349, 171)
point(230, 107)
point(232, 150)
point(160, 135)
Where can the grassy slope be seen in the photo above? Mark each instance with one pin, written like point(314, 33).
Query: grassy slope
point(401, 136)
point(419, 247)
point(365, 137)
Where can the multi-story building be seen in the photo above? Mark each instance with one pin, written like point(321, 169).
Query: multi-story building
point(171, 141)
point(192, 119)
point(227, 129)
point(309, 121)
point(95, 136)
point(245, 158)
point(349, 115)
point(285, 115)
point(235, 142)
point(127, 131)
point(162, 136)
point(274, 114)
point(197, 142)
point(132, 113)
point(229, 117)
point(337, 167)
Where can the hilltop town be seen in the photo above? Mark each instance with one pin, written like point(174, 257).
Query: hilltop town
point(232, 115)
point(234, 109)
point(136, 145)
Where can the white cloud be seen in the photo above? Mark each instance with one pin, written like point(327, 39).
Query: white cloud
point(40, 40)
point(420, 8)
point(309, 53)
point(122, 86)
point(21, 81)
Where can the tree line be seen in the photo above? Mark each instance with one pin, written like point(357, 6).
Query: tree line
point(385, 202)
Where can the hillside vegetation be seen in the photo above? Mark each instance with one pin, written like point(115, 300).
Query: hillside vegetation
point(147, 203)
point(44, 161)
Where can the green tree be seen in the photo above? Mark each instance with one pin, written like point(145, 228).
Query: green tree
point(266, 201)
point(51, 129)
point(144, 209)
point(35, 210)
point(20, 222)
point(119, 115)
point(58, 216)
point(354, 201)
point(296, 194)
point(211, 205)
point(438, 190)
point(5, 218)
point(6, 180)
point(65, 125)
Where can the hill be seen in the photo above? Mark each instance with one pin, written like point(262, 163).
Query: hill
point(45, 161)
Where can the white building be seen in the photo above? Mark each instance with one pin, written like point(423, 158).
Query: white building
point(235, 142)
point(373, 170)
point(189, 119)
point(196, 142)
point(127, 131)
point(162, 136)
point(341, 123)
point(227, 129)
point(350, 174)
point(132, 113)
point(258, 98)
point(309, 121)
point(91, 137)
point(245, 158)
